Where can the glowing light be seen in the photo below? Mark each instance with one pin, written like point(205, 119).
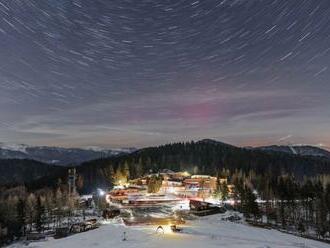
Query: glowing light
point(119, 187)
point(186, 174)
point(107, 198)
point(165, 229)
point(101, 192)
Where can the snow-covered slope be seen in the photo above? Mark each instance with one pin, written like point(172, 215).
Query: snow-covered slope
point(206, 232)
point(57, 155)
point(304, 150)
point(14, 147)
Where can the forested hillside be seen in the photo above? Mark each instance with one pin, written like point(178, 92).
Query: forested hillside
point(295, 189)
point(20, 171)
point(204, 157)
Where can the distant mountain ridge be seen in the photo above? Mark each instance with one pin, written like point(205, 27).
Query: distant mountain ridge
point(76, 156)
point(58, 155)
point(204, 156)
point(302, 150)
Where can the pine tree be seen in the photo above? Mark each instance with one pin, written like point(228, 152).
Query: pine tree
point(30, 209)
point(251, 206)
point(40, 214)
point(126, 171)
point(321, 211)
point(282, 194)
point(154, 184)
point(301, 227)
point(119, 177)
point(80, 182)
point(138, 170)
point(224, 191)
point(21, 217)
point(59, 202)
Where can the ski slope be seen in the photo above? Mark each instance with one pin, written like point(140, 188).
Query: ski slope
point(205, 232)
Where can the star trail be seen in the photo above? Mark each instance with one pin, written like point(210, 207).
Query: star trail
point(138, 73)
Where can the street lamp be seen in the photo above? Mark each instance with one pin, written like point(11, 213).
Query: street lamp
point(101, 192)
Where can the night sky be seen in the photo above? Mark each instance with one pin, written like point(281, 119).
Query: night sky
point(119, 73)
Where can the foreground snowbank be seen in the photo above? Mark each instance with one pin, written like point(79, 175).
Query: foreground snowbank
point(204, 232)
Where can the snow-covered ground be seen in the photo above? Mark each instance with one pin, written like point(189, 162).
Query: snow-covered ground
point(203, 232)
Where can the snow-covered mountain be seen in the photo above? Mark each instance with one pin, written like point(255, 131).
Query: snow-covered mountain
point(303, 150)
point(58, 155)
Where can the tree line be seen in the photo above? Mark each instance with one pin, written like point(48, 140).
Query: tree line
point(23, 211)
point(284, 202)
point(198, 158)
